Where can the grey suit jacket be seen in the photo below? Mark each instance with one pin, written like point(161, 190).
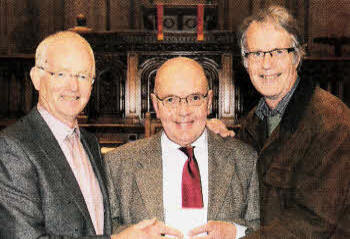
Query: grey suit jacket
point(135, 187)
point(39, 195)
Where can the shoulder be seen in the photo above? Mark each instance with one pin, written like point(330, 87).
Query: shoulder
point(328, 112)
point(232, 148)
point(138, 148)
point(20, 131)
point(248, 120)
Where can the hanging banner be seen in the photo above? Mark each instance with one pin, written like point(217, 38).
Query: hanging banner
point(160, 12)
point(200, 15)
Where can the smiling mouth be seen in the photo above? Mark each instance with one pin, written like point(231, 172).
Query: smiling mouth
point(184, 123)
point(70, 98)
point(270, 77)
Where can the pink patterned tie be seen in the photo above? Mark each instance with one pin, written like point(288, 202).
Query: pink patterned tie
point(191, 181)
point(87, 181)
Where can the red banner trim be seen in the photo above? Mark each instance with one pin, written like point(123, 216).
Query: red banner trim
point(200, 15)
point(160, 12)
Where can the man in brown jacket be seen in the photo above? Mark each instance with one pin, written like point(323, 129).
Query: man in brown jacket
point(301, 133)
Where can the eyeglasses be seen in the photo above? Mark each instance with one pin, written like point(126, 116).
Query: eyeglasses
point(278, 53)
point(191, 100)
point(63, 75)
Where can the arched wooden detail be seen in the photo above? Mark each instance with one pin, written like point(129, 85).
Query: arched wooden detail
point(148, 69)
point(107, 101)
point(211, 69)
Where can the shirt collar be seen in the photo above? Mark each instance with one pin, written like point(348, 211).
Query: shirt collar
point(263, 110)
point(57, 127)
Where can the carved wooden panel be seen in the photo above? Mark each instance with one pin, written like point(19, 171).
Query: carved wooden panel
point(107, 101)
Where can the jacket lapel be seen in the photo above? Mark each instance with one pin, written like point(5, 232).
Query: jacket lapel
point(149, 177)
point(257, 130)
point(220, 173)
point(47, 143)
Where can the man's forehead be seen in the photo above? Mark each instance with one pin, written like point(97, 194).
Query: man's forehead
point(178, 70)
point(67, 55)
point(181, 86)
point(267, 33)
point(266, 27)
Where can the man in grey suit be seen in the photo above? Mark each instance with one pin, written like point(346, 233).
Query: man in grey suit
point(51, 172)
point(149, 178)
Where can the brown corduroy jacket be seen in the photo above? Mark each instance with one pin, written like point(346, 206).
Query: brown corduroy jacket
point(303, 167)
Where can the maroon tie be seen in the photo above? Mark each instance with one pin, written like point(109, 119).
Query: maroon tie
point(191, 181)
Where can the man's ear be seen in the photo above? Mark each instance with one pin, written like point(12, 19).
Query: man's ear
point(245, 64)
point(210, 100)
point(155, 103)
point(35, 76)
point(296, 60)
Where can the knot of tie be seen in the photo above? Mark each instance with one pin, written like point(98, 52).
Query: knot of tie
point(70, 138)
point(188, 150)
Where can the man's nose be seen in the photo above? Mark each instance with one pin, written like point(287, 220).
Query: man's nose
point(73, 82)
point(183, 108)
point(267, 60)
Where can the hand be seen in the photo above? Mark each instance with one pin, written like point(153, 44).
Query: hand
point(148, 229)
point(215, 230)
point(218, 127)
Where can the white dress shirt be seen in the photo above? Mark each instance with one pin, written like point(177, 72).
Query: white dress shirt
point(173, 159)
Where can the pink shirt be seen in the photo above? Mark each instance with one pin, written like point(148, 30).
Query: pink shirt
point(88, 182)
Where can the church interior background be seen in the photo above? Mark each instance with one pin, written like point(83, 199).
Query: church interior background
point(129, 47)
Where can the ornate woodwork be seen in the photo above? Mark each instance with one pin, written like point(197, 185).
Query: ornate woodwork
point(109, 106)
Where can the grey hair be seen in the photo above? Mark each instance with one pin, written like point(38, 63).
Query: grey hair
point(281, 17)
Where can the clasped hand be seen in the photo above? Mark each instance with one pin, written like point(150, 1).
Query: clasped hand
point(214, 230)
point(154, 229)
point(148, 229)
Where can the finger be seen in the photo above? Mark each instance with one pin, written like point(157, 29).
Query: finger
point(145, 223)
point(232, 133)
point(214, 125)
point(171, 231)
point(171, 237)
point(201, 237)
point(198, 230)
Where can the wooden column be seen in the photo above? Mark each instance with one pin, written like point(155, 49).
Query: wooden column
point(226, 90)
point(132, 89)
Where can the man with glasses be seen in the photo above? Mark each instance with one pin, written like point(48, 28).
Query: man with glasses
point(193, 180)
point(301, 133)
point(52, 183)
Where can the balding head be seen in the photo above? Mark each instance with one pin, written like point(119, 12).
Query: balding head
point(183, 78)
point(60, 39)
point(178, 69)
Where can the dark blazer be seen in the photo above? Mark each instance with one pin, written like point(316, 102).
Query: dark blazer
point(304, 170)
point(39, 195)
point(136, 191)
